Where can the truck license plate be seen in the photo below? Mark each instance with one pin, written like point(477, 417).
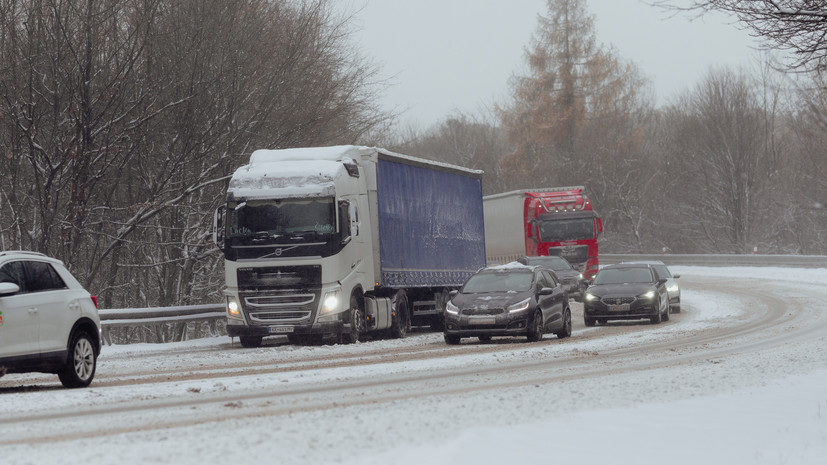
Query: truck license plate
point(281, 329)
point(482, 321)
point(619, 308)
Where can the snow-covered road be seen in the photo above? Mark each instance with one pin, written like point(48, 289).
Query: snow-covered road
point(740, 376)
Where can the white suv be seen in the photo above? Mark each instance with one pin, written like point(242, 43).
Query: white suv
point(48, 322)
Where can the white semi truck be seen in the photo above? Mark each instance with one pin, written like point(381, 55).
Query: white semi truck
point(344, 241)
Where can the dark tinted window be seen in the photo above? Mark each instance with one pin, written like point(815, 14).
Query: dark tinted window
point(42, 277)
point(552, 279)
point(13, 273)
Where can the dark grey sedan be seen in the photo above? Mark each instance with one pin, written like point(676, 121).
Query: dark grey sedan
point(508, 300)
point(572, 279)
point(626, 292)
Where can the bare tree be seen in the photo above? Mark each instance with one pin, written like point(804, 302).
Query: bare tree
point(720, 140)
point(463, 140)
point(794, 25)
point(121, 120)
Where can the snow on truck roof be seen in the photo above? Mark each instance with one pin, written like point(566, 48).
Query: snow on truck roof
point(291, 179)
point(311, 171)
point(345, 153)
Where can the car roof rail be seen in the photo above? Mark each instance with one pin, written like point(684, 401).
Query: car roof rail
point(21, 252)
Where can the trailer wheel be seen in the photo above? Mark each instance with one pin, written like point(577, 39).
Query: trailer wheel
point(357, 321)
point(401, 316)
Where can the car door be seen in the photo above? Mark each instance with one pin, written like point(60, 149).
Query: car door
point(54, 305)
point(558, 297)
point(19, 323)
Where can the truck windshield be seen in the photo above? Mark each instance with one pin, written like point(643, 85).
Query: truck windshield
point(275, 219)
point(566, 229)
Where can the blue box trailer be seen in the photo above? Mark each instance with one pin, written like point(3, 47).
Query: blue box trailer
point(431, 228)
point(345, 240)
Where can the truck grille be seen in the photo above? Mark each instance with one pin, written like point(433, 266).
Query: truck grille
point(575, 254)
point(277, 295)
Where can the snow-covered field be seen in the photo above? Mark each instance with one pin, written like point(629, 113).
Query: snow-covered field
point(755, 398)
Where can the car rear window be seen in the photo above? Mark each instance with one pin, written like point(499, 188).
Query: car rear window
point(43, 277)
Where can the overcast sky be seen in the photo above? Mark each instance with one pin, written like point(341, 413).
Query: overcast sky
point(457, 55)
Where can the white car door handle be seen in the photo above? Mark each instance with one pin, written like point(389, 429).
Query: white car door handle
point(33, 310)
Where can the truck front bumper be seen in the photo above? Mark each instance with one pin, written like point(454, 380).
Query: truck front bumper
point(333, 327)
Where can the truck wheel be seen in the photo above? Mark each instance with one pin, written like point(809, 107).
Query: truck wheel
point(535, 327)
point(81, 362)
point(250, 342)
point(565, 331)
point(357, 322)
point(402, 317)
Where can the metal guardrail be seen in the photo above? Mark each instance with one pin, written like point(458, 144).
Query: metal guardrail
point(797, 261)
point(159, 317)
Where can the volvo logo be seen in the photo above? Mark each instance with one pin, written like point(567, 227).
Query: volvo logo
point(278, 252)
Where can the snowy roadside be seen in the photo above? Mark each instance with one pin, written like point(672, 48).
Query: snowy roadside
point(762, 407)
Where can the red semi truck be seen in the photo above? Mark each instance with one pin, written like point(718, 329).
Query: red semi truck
point(550, 221)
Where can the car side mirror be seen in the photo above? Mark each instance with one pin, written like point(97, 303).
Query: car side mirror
point(662, 281)
point(676, 276)
point(547, 291)
point(8, 289)
point(453, 293)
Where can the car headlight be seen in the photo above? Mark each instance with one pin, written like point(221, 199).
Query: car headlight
point(451, 308)
point(331, 301)
point(519, 306)
point(590, 297)
point(233, 308)
point(673, 288)
point(648, 295)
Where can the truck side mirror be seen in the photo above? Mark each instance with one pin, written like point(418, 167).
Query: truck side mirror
point(218, 226)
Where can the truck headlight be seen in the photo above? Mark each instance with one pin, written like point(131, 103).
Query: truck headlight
point(331, 301)
point(233, 308)
point(519, 306)
point(451, 308)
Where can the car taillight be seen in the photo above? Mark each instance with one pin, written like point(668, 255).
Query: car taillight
point(94, 300)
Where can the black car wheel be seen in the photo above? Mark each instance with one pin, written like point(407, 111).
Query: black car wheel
point(452, 339)
point(81, 362)
point(657, 317)
point(666, 313)
point(589, 321)
point(566, 330)
point(535, 327)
